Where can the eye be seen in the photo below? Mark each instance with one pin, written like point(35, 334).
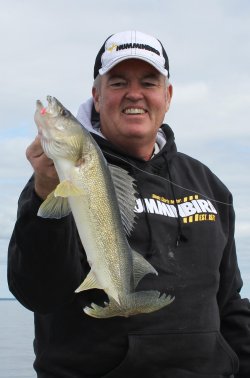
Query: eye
point(64, 112)
point(117, 82)
point(149, 83)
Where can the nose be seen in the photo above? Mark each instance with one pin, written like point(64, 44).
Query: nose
point(134, 92)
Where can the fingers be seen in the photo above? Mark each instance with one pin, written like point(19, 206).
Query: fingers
point(34, 150)
point(39, 161)
point(46, 177)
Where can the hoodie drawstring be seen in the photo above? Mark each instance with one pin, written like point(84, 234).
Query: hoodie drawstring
point(180, 236)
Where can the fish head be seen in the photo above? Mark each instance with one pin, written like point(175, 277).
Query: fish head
point(60, 132)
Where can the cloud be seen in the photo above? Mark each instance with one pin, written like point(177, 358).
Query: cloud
point(191, 93)
point(14, 165)
point(14, 172)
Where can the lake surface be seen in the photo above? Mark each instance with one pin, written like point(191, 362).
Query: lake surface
point(16, 341)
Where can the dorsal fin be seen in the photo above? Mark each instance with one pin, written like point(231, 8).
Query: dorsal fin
point(125, 192)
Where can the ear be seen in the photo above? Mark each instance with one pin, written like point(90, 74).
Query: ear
point(96, 99)
point(169, 94)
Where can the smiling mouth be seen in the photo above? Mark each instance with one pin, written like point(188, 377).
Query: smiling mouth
point(134, 111)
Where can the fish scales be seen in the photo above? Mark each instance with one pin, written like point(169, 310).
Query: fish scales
point(99, 192)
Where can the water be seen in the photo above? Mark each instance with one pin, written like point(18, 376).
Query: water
point(244, 264)
point(16, 340)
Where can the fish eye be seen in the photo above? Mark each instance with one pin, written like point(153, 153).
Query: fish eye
point(64, 112)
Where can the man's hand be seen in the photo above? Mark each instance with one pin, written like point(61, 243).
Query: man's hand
point(46, 178)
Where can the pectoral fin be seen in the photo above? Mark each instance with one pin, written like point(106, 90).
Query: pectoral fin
point(66, 189)
point(54, 207)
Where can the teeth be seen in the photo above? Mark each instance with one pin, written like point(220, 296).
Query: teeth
point(134, 111)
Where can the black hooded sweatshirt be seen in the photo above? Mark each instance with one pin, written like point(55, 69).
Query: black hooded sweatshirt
point(185, 229)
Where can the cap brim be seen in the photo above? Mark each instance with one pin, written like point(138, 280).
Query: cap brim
point(107, 68)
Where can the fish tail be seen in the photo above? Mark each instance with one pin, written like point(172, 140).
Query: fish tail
point(133, 304)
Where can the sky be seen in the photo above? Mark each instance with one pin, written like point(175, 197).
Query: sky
point(49, 47)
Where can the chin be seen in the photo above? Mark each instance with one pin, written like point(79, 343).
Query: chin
point(138, 129)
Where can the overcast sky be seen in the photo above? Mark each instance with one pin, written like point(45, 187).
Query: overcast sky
point(49, 47)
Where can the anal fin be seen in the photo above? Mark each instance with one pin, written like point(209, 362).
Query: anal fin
point(90, 282)
point(141, 267)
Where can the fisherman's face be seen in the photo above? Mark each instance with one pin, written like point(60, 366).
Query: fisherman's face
point(132, 100)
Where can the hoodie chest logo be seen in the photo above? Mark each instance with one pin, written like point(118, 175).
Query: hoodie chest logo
point(190, 208)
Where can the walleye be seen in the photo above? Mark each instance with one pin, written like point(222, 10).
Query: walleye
point(101, 198)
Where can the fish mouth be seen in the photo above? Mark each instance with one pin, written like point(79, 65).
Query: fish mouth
point(42, 109)
point(51, 101)
point(39, 105)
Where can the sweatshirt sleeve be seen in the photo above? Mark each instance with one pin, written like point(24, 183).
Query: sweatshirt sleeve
point(235, 311)
point(44, 257)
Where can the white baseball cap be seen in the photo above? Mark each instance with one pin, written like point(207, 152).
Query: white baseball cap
point(131, 45)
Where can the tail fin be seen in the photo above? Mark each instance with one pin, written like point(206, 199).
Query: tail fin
point(133, 304)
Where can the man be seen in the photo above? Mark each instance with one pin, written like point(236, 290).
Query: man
point(185, 229)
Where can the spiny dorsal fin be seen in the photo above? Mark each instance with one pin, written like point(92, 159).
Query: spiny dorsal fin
point(125, 192)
